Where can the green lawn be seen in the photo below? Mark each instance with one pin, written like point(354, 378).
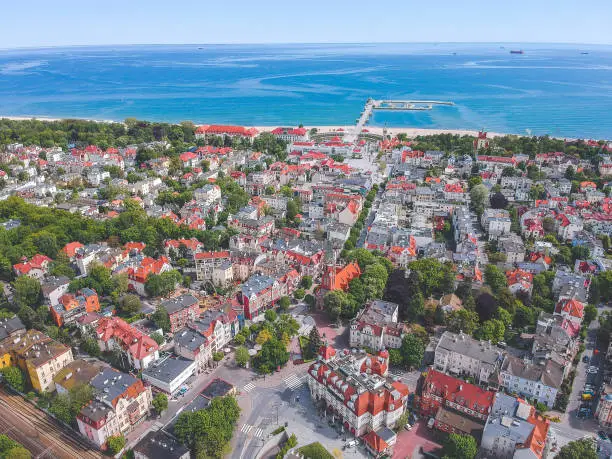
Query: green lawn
point(315, 451)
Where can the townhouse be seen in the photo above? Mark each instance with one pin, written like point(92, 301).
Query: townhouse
point(377, 327)
point(71, 306)
point(37, 355)
point(514, 430)
point(181, 310)
point(460, 354)
point(121, 402)
point(138, 349)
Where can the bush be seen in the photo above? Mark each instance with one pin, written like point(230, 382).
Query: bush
point(115, 444)
point(315, 451)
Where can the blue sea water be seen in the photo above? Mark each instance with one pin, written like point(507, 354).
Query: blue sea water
point(550, 89)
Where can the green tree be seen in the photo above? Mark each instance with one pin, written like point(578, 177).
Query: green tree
point(306, 282)
point(334, 302)
point(495, 278)
point(299, 293)
point(479, 196)
point(160, 403)
point(115, 443)
point(158, 338)
point(263, 336)
point(462, 320)
point(27, 291)
point(218, 356)
point(416, 306)
point(163, 284)
point(284, 303)
point(161, 319)
point(209, 431)
point(270, 315)
point(241, 356)
point(239, 339)
point(314, 341)
point(395, 357)
point(459, 447)
point(273, 354)
point(492, 330)
point(583, 449)
point(129, 305)
point(14, 378)
point(90, 346)
point(412, 350)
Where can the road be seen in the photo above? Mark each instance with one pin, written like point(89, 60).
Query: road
point(571, 427)
point(38, 432)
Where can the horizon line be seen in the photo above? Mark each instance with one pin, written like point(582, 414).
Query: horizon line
point(102, 45)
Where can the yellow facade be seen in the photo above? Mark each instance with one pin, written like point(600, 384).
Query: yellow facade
point(5, 359)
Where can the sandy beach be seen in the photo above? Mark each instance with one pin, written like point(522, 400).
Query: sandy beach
point(410, 132)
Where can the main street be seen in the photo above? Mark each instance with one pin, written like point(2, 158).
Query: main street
point(571, 427)
point(38, 432)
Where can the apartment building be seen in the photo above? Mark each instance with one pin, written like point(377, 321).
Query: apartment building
point(377, 327)
point(460, 354)
point(139, 349)
point(181, 310)
point(121, 402)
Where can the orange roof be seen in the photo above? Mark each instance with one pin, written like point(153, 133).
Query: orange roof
point(537, 440)
point(375, 442)
point(71, 248)
point(345, 275)
point(570, 306)
point(138, 246)
point(207, 255)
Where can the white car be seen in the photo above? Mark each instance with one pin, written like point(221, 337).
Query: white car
point(592, 370)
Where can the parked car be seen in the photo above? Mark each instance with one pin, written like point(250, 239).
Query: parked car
point(601, 434)
point(408, 427)
point(592, 370)
point(585, 359)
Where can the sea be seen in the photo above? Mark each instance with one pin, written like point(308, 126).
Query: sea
point(560, 90)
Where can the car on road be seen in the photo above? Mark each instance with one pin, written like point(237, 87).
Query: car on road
point(408, 427)
point(601, 434)
point(585, 359)
point(592, 370)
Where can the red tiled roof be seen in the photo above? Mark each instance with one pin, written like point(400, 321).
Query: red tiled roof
point(570, 306)
point(71, 248)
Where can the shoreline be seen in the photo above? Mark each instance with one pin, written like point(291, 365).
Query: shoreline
point(411, 132)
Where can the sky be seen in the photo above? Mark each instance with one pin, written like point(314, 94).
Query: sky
point(40, 23)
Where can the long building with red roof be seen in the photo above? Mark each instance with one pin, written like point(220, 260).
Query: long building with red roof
point(227, 131)
point(456, 406)
point(354, 389)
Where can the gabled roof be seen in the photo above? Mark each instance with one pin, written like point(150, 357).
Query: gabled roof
point(571, 307)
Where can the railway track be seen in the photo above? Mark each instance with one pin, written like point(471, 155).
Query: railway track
point(38, 432)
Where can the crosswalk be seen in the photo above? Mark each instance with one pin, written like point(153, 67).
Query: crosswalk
point(293, 381)
point(257, 432)
point(249, 387)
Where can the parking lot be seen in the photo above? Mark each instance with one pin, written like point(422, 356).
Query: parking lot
point(411, 443)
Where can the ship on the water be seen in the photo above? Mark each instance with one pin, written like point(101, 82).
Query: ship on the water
point(516, 51)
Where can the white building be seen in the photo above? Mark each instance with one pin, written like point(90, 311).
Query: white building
point(540, 383)
point(377, 327)
point(169, 374)
point(460, 354)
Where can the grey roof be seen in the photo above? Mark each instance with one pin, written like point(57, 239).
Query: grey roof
point(217, 388)
point(385, 433)
point(51, 283)
point(255, 284)
point(179, 303)
point(160, 444)
point(10, 326)
point(167, 370)
point(96, 410)
point(507, 419)
point(110, 383)
point(466, 345)
point(549, 374)
point(189, 339)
